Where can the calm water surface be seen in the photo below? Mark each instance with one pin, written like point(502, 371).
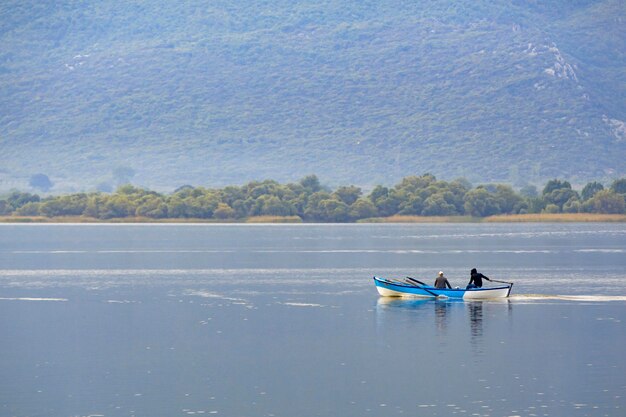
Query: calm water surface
point(238, 320)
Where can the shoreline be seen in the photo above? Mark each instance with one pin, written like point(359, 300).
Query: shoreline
point(510, 218)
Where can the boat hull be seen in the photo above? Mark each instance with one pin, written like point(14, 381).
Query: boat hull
point(389, 288)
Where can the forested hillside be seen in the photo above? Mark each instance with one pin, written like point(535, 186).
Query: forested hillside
point(209, 93)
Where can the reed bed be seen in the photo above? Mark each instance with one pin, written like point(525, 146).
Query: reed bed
point(422, 219)
point(556, 217)
point(274, 219)
point(504, 218)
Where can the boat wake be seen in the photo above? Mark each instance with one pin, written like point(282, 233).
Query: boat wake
point(547, 297)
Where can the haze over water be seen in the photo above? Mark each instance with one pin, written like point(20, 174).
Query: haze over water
point(284, 320)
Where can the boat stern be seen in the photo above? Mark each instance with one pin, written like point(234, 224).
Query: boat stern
point(487, 293)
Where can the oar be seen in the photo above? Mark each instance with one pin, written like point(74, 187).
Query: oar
point(398, 282)
point(416, 281)
point(421, 283)
point(502, 282)
point(510, 284)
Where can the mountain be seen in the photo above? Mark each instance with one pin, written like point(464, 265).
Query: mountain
point(364, 92)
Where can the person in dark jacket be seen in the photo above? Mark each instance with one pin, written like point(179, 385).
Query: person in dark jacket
point(441, 281)
point(476, 279)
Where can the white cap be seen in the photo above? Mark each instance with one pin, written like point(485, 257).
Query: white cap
point(440, 272)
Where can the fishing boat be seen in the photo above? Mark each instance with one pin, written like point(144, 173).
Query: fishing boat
point(414, 288)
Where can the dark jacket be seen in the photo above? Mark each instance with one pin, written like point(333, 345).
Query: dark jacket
point(477, 279)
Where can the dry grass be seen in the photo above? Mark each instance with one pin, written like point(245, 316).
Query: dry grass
point(505, 218)
point(23, 219)
point(83, 219)
point(274, 219)
point(557, 217)
point(422, 219)
point(511, 218)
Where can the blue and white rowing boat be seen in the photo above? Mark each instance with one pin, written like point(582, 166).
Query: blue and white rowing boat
point(414, 288)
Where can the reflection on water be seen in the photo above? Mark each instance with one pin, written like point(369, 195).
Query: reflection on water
point(475, 313)
point(389, 304)
point(451, 318)
point(476, 318)
point(441, 311)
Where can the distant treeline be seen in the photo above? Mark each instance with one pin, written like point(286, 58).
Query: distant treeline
point(308, 199)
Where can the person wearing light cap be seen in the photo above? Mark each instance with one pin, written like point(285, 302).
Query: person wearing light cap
point(441, 281)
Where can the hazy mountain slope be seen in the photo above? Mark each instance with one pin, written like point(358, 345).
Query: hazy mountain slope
point(362, 92)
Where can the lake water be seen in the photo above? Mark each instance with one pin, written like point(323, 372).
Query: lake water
point(284, 320)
